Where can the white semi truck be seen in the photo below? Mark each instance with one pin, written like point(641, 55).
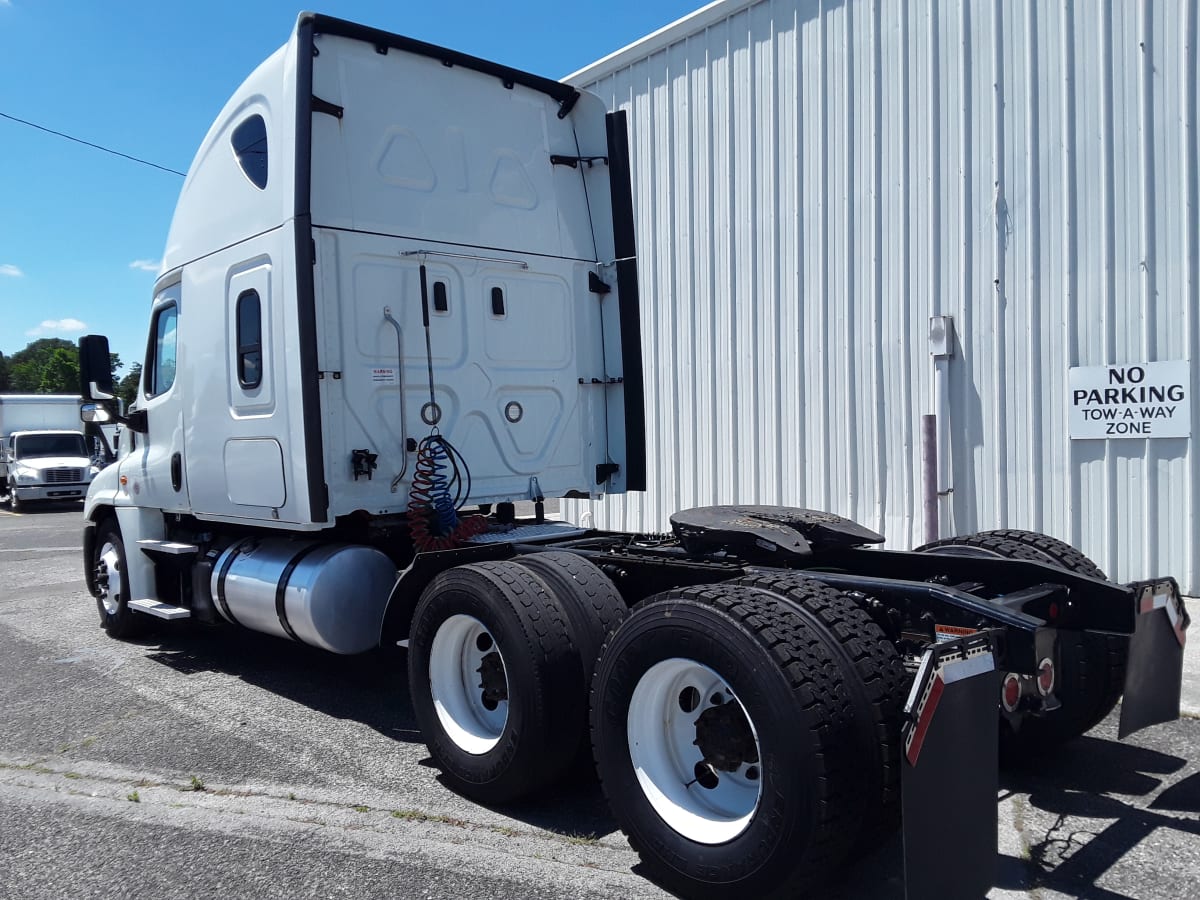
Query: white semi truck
point(43, 454)
point(399, 295)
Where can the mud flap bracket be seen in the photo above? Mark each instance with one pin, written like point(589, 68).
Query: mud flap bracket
point(950, 771)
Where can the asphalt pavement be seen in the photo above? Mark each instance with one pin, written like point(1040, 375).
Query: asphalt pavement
point(204, 762)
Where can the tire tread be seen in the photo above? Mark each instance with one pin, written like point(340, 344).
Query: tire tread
point(816, 681)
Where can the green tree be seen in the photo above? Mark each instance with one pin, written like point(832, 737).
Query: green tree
point(3, 373)
point(27, 366)
point(128, 387)
point(47, 366)
point(60, 374)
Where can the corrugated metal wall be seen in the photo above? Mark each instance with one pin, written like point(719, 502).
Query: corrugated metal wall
point(814, 180)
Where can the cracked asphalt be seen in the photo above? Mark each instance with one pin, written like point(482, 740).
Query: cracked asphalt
point(201, 762)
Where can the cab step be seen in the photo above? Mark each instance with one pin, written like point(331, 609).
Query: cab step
point(171, 548)
point(162, 610)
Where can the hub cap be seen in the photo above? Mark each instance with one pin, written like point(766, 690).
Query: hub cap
point(108, 578)
point(469, 684)
point(695, 751)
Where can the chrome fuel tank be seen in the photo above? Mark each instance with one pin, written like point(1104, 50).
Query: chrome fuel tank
point(331, 596)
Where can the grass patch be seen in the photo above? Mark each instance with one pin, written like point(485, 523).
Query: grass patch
point(72, 775)
point(133, 797)
point(416, 815)
point(581, 840)
point(196, 785)
point(361, 809)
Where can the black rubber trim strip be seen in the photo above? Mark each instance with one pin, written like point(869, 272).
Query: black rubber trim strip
point(565, 94)
point(281, 590)
point(306, 303)
point(230, 556)
point(591, 260)
point(625, 245)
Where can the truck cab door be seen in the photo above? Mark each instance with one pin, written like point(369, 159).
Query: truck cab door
point(156, 470)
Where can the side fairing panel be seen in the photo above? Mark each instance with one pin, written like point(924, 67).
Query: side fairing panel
point(448, 171)
point(443, 153)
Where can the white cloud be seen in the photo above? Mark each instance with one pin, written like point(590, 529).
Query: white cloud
point(144, 265)
point(67, 325)
point(9, 269)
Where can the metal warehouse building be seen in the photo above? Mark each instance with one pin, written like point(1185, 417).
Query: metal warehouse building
point(855, 214)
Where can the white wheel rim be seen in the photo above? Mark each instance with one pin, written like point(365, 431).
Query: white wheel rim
point(662, 735)
point(472, 720)
point(109, 568)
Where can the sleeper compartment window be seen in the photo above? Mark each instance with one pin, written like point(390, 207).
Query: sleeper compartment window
point(250, 147)
point(249, 339)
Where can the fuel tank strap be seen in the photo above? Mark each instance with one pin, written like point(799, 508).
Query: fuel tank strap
point(281, 591)
point(230, 556)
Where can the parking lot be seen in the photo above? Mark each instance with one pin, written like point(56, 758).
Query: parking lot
point(202, 762)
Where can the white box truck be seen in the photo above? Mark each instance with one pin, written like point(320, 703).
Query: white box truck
point(43, 453)
point(399, 294)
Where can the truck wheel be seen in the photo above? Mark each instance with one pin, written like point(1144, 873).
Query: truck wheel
point(495, 681)
point(1042, 547)
point(594, 609)
point(593, 606)
point(14, 502)
point(112, 591)
point(724, 739)
point(1091, 670)
point(875, 679)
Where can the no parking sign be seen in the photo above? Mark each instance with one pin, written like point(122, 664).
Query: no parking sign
point(1146, 400)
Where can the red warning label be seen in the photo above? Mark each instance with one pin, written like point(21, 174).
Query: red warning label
point(950, 632)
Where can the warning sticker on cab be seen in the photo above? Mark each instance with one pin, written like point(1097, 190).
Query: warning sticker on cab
point(383, 375)
point(952, 632)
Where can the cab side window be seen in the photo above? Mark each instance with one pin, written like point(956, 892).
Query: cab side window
point(159, 373)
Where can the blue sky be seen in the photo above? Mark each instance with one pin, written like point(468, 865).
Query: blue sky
point(82, 232)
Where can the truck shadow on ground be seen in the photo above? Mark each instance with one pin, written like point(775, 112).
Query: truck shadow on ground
point(1092, 804)
point(41, 507)
point(371, 688)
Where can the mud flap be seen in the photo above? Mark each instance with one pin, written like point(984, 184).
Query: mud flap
point(1154, 669)
point(950, 773)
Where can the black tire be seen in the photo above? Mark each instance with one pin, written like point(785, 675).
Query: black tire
point(542, 685)
point(593, 606)
point(594, 610)
point(875, 678)
point(14, 502)
point(1091, 665)
point(1042, 547)
point(801, 825)
point(112, 587)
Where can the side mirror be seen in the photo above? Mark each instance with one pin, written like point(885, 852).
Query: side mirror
point(91, 412)
point(137, 421)
point(95, 368)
